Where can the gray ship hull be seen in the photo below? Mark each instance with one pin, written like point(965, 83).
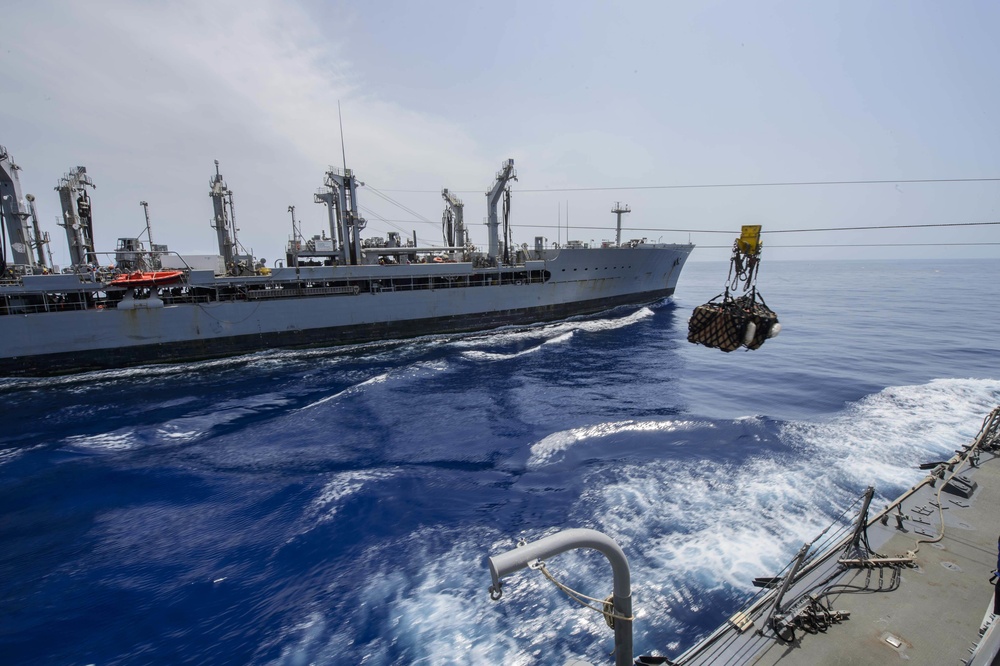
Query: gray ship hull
point(375, 302)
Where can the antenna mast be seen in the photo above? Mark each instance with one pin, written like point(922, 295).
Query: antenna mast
point(343, 151)
point(618, 210)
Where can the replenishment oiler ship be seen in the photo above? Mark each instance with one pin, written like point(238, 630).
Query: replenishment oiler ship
point(155, 306)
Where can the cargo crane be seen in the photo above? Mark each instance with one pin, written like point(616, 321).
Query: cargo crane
point(453, 221)
point(505, 175)
point(15, 233)
point(223, 223)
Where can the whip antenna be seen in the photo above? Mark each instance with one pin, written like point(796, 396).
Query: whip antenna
point(343, 151)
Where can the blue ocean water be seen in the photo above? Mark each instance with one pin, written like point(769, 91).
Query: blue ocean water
point(336, 506)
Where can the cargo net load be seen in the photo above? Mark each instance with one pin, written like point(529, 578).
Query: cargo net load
point(736, 321)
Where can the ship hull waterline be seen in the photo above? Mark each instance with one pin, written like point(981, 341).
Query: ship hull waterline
point(211, 345)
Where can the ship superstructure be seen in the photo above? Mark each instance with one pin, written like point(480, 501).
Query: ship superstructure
point(329, 290)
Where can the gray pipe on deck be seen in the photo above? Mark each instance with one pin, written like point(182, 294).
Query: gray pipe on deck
point(560, 542)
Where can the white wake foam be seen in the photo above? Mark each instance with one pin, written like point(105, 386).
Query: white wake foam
point(508, 336)
point(179, 436)
point(694, 526)
point(12, 454)
point(697, 524)
point(200, 423)
point(438, 615)
point(492, 356)
point(338, 490)
point(107, 441)
point(687, 526)
point(377, 379)
point(885, 435)
point(551, 448)
point(405, 372)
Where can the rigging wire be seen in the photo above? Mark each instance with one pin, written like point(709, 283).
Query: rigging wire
point(424, 220)
point(382, 195)
point(582, 599)
point(771, 247)
point(403, 231)
point(391, 223)
point(779, 231)
point(779, 184)
point(886, 226)
point(724, 185)
point(394, 223)
point(420, 218)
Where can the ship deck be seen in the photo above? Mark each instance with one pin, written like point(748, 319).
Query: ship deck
point(933, 613)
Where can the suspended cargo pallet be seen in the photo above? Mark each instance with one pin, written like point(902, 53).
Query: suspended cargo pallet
point(735, 322)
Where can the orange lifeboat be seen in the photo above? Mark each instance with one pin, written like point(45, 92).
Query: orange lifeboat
point(146, 278)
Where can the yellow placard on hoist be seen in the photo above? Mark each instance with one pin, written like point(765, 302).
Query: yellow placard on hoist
point(749, 242)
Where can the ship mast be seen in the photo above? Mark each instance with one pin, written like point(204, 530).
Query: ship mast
point(341, 198)
point(618, 210)
point(505, 175)
point(331, 197)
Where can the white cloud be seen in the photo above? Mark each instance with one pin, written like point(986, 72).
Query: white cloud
point(146, 95)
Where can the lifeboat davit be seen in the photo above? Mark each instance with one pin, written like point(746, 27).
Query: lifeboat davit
point(146, 278)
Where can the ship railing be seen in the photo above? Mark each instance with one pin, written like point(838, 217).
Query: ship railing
point(151, 259)
point(184, 298)
point(451, 282)
point(280, 290)
point(59, 302)
point(9, 306)
point(76, 300)
point(259, 294)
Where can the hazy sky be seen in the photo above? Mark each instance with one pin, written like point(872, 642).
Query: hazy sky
point(580, 94)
